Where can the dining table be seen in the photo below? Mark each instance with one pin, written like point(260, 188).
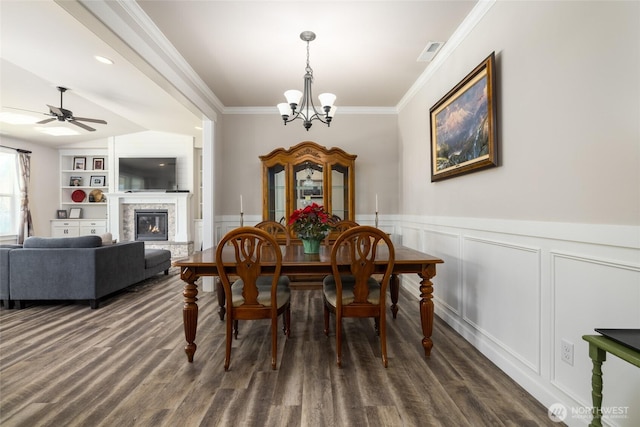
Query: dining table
point(297, 263)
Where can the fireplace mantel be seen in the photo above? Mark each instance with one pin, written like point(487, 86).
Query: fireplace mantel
point(181, 202)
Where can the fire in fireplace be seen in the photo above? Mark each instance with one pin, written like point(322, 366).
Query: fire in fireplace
point(151, 224)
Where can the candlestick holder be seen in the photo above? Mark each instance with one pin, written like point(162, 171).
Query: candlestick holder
point(376, 219)
point(241, 219)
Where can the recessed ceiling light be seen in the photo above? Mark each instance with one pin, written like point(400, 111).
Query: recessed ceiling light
point(103, 60)
point(57, 131)
point(18, 119)
point(198, 127)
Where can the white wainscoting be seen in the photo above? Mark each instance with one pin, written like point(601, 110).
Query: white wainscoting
point(515, 289)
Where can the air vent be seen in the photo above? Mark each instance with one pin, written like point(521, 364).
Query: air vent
point(429, 51)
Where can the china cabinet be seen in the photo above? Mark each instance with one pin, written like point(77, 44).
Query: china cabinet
point(304, 174)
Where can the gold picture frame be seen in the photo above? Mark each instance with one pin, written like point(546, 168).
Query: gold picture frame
point(464, 125)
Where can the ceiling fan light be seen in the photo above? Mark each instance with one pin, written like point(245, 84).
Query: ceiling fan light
point(327, 99)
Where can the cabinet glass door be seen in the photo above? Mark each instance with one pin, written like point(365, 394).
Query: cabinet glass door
point(309, 184)
point(340, 191)
point(276, 197)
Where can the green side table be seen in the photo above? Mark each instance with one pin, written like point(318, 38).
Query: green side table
point(598, 348)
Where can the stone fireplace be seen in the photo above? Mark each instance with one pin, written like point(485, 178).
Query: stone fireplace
point(123, 223)
point(151, 224)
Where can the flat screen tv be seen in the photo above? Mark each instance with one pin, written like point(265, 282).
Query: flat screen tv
point(147, 174)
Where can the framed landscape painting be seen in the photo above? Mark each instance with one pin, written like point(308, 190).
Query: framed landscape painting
point(463, 125)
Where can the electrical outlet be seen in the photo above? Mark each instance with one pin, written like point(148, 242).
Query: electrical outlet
point(566, 352)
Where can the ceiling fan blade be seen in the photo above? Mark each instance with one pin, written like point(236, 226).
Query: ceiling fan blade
point(82, 125)
point(55, 110)
point(84, 119)
point(41, 122)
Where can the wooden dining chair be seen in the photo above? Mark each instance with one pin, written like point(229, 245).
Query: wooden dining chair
point(254, 249)
point(276, 229)
point(353, 292)
point(338, 227)
point(281, 234)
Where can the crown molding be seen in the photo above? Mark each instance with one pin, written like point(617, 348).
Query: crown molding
point(341, 110)
point(459, 35)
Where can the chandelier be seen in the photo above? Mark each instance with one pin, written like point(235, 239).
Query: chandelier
point(308, 182)
point(305, 110)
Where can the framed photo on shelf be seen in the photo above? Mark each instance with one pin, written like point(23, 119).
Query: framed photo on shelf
point(61, 214)
point(98, 163)
point(97, 180)
point(75, 181)
point(79, 163)
point(464, 125)
point(75, 213)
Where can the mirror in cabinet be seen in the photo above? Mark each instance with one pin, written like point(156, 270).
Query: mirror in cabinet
point(304, 174)
point(309, 183)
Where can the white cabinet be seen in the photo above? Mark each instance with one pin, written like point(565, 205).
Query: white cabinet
point(80, 227)
point(93, 227)
point(84, 177)
point(61, 228)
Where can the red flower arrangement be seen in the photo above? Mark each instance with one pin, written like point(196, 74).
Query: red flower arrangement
point(312, 221)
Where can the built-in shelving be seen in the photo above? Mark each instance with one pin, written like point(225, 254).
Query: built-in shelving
point(84, 170)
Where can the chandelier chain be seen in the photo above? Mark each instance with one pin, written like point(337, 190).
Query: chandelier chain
point(308, 69)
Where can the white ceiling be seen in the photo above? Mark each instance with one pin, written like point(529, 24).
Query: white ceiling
point(228, 55)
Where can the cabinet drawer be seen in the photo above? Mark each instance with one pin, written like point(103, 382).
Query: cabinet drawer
point(65, 231)
point(88, 230)
point(94, 223)
point(65, 223)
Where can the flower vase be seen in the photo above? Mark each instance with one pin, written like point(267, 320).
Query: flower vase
point(311, 245)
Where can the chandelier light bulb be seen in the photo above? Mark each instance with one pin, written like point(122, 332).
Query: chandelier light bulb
point(285, 109)
point(327, 100)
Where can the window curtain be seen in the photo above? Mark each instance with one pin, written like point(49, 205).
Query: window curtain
point(24, 176)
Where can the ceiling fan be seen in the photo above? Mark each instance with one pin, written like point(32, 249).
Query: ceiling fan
point(62, 115)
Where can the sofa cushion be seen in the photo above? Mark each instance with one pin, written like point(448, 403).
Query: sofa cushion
point(107, 239)
point(153, 257)
point(63, 242)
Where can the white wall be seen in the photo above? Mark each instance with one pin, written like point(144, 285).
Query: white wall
point(547, 246)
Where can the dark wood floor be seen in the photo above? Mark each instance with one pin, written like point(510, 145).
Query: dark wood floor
point(124, 365)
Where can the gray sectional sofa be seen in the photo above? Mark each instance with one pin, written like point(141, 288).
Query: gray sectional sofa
point(4, 273)
point(75, 268)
